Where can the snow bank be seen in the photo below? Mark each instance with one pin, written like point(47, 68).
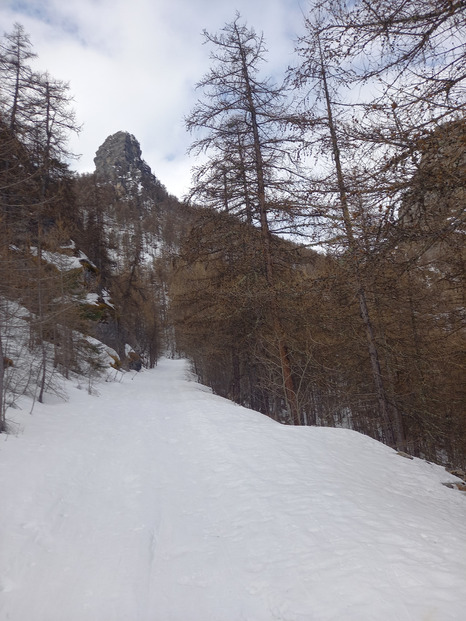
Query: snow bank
point(158, 501)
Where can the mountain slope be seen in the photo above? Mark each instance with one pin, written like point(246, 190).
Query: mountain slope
point(158, 501)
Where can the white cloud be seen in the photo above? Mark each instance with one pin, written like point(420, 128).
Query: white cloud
point(133, 65)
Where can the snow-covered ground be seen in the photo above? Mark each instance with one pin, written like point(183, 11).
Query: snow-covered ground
point(158, 501)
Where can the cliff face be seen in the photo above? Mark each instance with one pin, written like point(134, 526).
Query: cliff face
point(432, 215)
point(118, 161)
point(438, 189)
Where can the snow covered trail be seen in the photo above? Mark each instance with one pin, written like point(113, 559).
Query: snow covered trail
point(158, 501)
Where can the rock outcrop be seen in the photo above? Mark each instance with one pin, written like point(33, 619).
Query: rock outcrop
point(438, 189)
point(118, 161)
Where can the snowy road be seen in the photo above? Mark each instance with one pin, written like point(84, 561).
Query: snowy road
point(158, 501)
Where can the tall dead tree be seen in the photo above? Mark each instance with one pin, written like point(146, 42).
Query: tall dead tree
point(241, 120)
point(315, 72)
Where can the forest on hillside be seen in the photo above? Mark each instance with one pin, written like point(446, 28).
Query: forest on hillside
point(316, 270)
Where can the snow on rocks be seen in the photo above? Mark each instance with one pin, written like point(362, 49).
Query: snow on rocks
point(158, 501)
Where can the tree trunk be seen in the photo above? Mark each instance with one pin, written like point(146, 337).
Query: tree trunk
point(393, 430)
point(285, 363)
point(235, 384)
point(2, 388)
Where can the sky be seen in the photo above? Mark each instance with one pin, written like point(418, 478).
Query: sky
point(133, 65)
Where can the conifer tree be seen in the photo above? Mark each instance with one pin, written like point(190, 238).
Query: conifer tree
point(242, 123)
point(408, 60)
point(36, 202)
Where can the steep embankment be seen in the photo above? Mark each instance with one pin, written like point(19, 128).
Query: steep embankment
point(158, 501)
